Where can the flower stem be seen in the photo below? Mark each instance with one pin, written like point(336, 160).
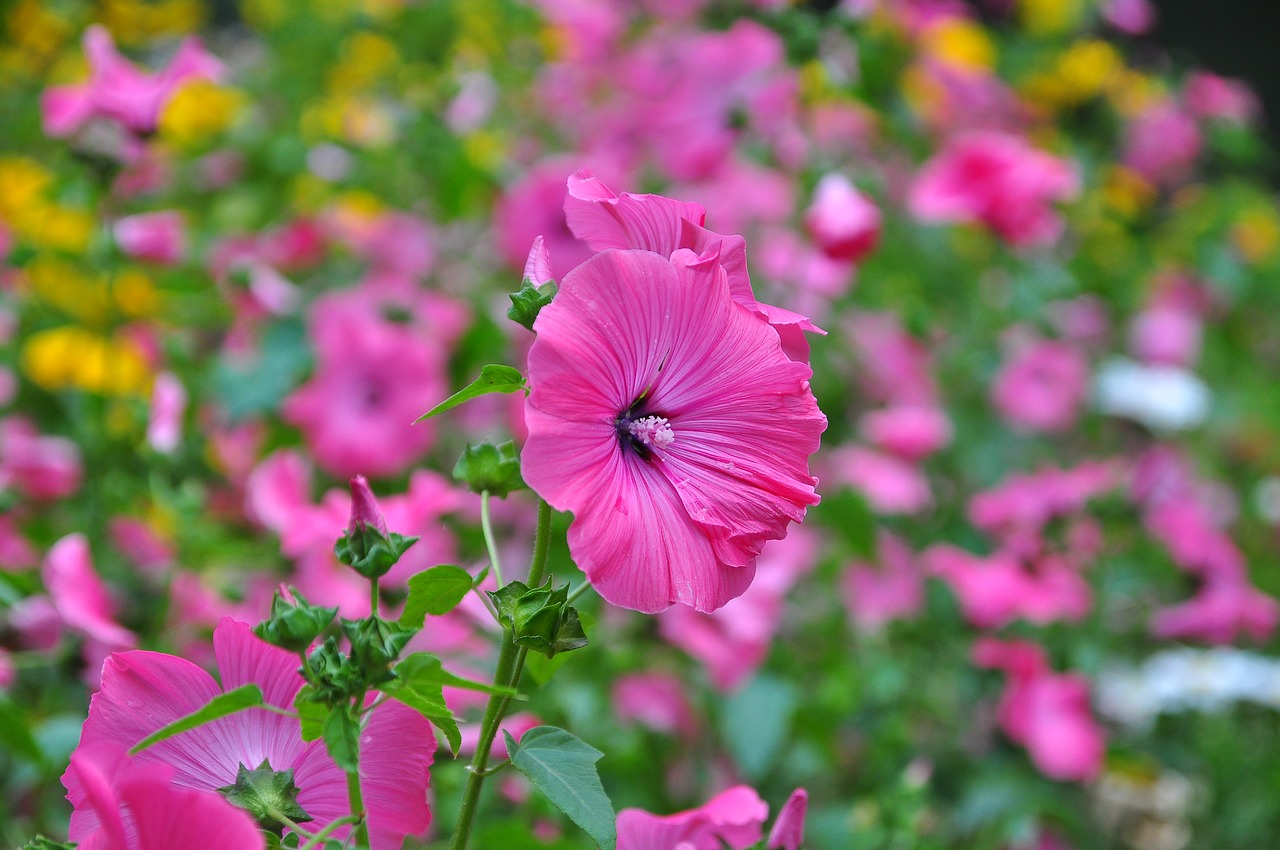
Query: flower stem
point(541, 544)
point(578, 591)
point(361, 834)
point(314, 841)
point(488, 731)
point(373, 597)
point(487, 527)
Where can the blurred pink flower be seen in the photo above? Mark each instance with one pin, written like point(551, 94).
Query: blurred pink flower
point(894, 366)
point(1026, 502)
point(140, 543)
point(160, 237)
point(373, 378)
point(119, 91)
point(997, 179)
point(135, 805)
point(1133, 17)
point(875, 595)
point(79, 595)
point(910, 431)
point(41, 467)
point(1162, 143)
point(16, 553)
point(143, 691)
point(734, 641)
point(734, 818)
point(1166, 335)
point(844, 223)
point(667, 419)
point(1219, 613)
point(168, 403)
point(605, 220)
point(532, 207)
point(890, 484)
point(655, 701)
point(1041, 386)
point(788, 830)
point(997, 589)
point(1046, 712)
point(1210, 96)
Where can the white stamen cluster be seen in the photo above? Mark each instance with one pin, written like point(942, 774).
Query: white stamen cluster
point(652, 431)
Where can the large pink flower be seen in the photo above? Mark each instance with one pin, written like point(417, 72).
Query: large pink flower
point(136, 807)
point(666, 417)
point(734, 818)
point(143, 691)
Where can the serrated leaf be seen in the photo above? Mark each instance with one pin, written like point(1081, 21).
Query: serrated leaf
point(494, 378)
point(418, 687)
point(342, 738)
point(245, 696)
point(311, 713)
point(426, 668)
point(435, 591)
point(563, 768)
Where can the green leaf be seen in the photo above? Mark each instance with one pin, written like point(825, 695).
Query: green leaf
point(426, 668)
point(15, 733)
point(311, 713)
point(419, 687)
point(42, 843)
point(245, 696)
point(342, 738)
point(494, 378)
point(756, 721)
point(563, 768)
point(435, 591)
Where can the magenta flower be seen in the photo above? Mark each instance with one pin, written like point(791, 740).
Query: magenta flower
point(999, 180)
point(733, 818)
point(1042, 386)
point(788, 829)
point(143, 691)
point(158, 237)
point(666, 417)
point(844, 223)
point(119, 91)
point(136, 807)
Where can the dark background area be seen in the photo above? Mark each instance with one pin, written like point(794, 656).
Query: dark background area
point(1234, 38)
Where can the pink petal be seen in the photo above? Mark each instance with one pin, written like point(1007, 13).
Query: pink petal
point(397, 747)
point(79, 594)
point(605, 220)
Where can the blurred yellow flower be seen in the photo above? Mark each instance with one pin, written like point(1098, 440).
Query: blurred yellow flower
point(1257, 233)
point(73, 357)
point(139, 21)
point(1049, 17)
point(1126, 192)
point(961, 43)
point(366, 58)
point(22, 185)
point(198, 110)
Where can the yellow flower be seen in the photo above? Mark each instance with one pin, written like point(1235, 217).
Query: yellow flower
point(139, 21)
point(1257, 234)
point(1126, 191)
point(961, 43)
point(22, 185)
point(198, 110)
point(72, 357)
point(1049, 17)
point(366, 57)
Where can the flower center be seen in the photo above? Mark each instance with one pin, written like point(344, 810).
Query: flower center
point(644, 433)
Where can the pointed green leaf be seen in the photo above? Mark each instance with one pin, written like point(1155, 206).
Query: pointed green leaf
point(342, 738)
point(563, 768)
point(435, 591)
point(245, 696)
point(311, 713)
point(417, 687)
point(494, 378)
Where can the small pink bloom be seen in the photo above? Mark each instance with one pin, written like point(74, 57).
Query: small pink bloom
point(1046, 712)
point(844, 223)
point(912, 432)
point(143, 691)
point(532, 207)
point(141, 545)
point(364, 508)
point(160, 237)
point(1223, 610)
point(79, 595)
point(895, 367)
point(999, 180)
point(168, 403)
point(1042, 386)
point(1134, 17)
point(1166, 335)
point(135, 805)
point(119, 91)
point(877, 595)
point(655, 701)
point(1028, 501)
point(734, 818)
point(997, 589)
point(677, 510)
point(39, 466)
point(15, 552)
point(889, 484)
point(788, 829)
point(1162, 143)
point(1210, 96)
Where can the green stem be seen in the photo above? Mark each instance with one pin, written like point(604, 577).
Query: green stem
point(541, 544)
point(578, 591)
point(361, 834)
point(487, 527)
point(289, 823)
point(488, 731)
point(373, 597)
point(315, 840)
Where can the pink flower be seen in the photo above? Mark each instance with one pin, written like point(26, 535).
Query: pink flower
point(665, 416)
point(373, 377)
point(533, 207)
point(734, 818)
point(1224, 609)
point(910, 431)
point(136, 806)
point(788, 829)
point(168, 402)
point(80, 597)
point(140, 543)
point(1046, 712)
point(41, 467)
point(1042, 386)
point(118, 91)
point(734, 641)
point(1210, 96)
point(889, 484)
point(895, 367)
point(999, 180)
point(844, 223)
point(143, 691)
point(655, 701)
point(15, 552)
point(159, 237)
point(877, 595)
point(1133, 17)
point(1162, 143)
point(997, 589)
point(605, 220)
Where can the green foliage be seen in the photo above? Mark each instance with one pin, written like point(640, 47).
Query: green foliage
point(487, 468)
point(294, 626)
point(539, 618)
point(369, 552)
point(238, 699)
point(563, 769)
point(418, 683)
point(529, 301)
point(435, 591)
point(494, 378)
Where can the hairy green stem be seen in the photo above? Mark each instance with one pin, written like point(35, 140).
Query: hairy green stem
point(486, 525)
point(314, 841)
point(541, 544)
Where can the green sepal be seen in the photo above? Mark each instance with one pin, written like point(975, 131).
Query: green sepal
point(294, 626)
point(369, 552)
point(539, 618)
point(332, 675)
point(376, 644)
point(42, 843)
point(529, 300)
point(262, 792)
point(489, 468)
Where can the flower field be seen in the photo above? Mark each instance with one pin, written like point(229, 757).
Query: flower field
point(651, 425)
